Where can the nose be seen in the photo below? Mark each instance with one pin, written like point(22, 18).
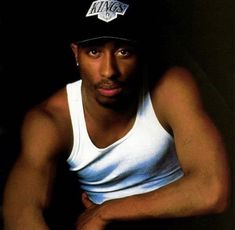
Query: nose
point(109, 67)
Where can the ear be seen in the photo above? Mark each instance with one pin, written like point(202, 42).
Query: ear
point(75, 49)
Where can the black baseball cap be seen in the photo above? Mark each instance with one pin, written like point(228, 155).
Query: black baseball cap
point(108, 19)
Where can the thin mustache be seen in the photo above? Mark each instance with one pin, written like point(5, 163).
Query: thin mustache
point(109, 84)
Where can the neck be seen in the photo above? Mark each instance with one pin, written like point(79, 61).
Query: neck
point(110, 114)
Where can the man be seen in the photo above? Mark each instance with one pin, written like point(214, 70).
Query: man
point(142, 147)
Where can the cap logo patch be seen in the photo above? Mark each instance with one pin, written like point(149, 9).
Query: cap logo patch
point(107, 10)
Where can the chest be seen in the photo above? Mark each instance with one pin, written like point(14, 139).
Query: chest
point(104, 135)
point(140, 152)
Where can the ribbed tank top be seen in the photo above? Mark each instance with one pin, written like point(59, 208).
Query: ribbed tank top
point(141, 161)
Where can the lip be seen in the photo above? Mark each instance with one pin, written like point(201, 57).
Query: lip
point(109, 92)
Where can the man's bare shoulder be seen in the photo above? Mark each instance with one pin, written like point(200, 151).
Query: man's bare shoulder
point(176, 84)
point(48, 124)
point(175, 92)
point(174, 78)
point(56, 105)
point(53, 108)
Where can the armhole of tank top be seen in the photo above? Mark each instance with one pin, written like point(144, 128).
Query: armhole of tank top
point(146, 100)
point(155, 117)
point(70, 88)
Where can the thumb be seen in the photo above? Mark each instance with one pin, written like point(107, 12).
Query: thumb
point(86, 201)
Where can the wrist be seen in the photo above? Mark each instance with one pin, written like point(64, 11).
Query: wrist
point(105, 213)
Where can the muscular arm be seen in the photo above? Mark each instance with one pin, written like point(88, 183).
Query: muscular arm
point(28, 188)
point(205, 187)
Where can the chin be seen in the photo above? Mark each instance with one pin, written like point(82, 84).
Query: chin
point(108, 102)
point(113, 102)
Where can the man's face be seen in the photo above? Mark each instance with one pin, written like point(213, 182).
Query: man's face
point(108, 70)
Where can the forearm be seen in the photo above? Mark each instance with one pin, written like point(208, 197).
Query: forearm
point(204, 189)
point(25, 197)
point(22, 215)
point(29, 218)
point(185, 197)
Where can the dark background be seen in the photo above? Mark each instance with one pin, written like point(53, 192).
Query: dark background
point(36, 60)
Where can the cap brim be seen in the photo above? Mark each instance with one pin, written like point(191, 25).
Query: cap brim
point(104, 37)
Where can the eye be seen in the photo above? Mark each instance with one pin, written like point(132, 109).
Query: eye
point(93, 52)
point(125, 52)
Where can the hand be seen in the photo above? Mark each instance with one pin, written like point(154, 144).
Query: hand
point(86, 201)
point(91, 218)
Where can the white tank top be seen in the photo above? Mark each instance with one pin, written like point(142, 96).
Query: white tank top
point(141, 161)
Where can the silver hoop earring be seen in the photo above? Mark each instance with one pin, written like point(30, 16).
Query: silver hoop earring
point(77, 64)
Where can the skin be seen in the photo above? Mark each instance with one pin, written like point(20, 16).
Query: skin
point(109, 71)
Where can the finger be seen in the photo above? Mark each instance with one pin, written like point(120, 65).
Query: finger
point(85, 200)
